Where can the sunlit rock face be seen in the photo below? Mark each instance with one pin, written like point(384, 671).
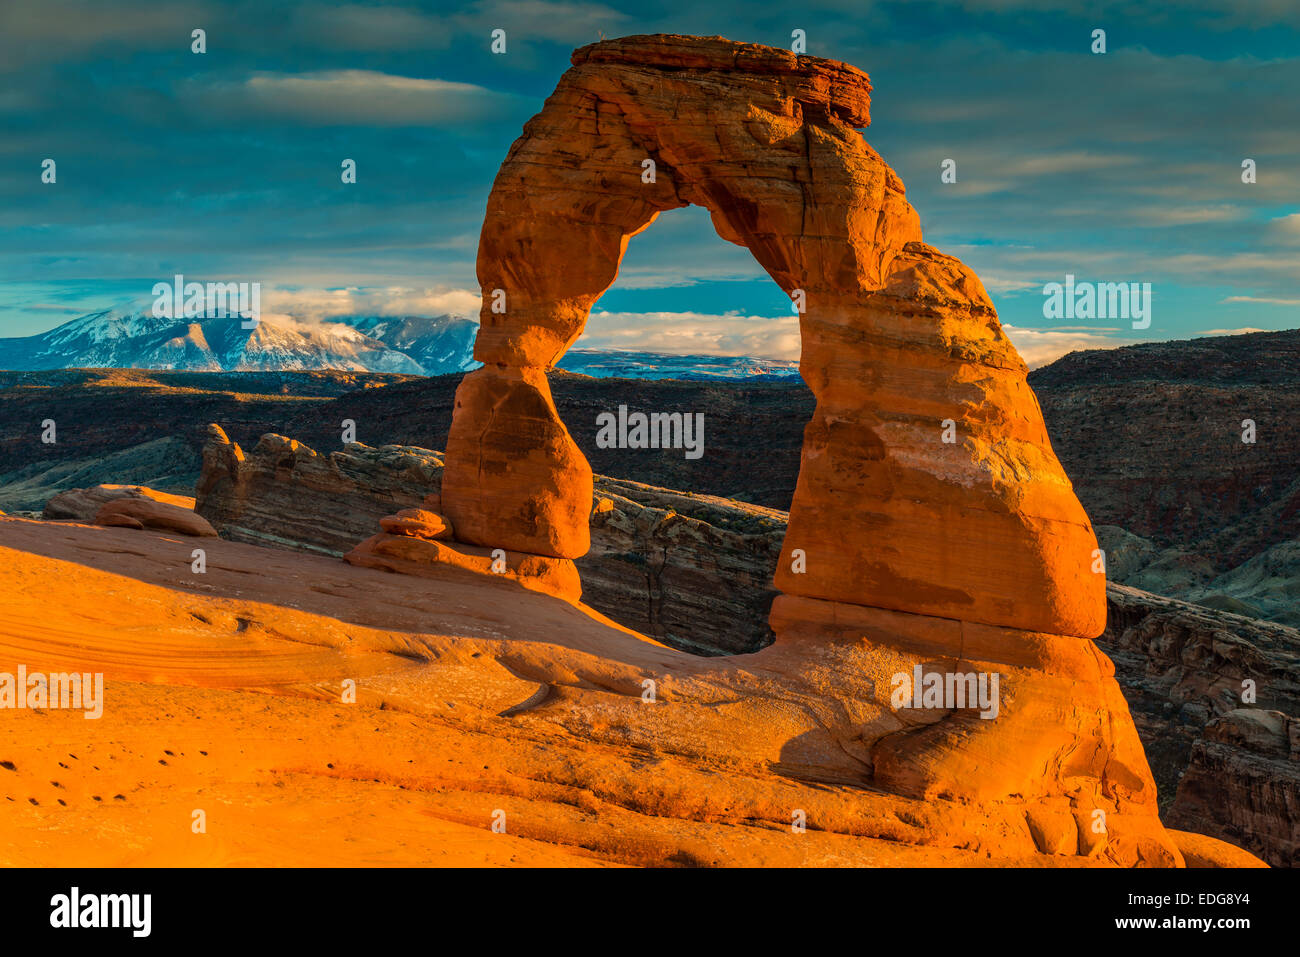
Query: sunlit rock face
point(932, 525)
point(977, 522)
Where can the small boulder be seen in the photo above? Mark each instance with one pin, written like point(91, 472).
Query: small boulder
point(417, 523)
point(147, 513)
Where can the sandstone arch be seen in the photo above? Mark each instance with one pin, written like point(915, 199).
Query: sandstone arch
point(896, 338)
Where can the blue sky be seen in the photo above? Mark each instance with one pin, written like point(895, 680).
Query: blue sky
point(225, 165)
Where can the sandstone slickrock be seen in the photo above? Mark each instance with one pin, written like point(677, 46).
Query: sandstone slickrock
point(132, 512)
point(695, 571)
point(120, 521)
point(472, 695)
point(1198, 850)
point(414, 555)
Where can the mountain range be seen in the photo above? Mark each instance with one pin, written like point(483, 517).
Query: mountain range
point(133, 338)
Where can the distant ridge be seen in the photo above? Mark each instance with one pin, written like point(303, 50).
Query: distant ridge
point(133, 338)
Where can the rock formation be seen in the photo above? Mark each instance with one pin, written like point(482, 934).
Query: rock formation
point(82, 504)
point(1243, 784)
point(473, 696)
point(897, 338)
point(142, 512)
point(258, 497)
point(931, 520)
point(1186, 671)
point(694, 571)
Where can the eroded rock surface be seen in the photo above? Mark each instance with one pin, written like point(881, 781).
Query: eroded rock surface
point(897, 337)
point(82, 504)
point(133, 512)
point(931, 520)
point(472, 694)
point(695, 571)
point(1254, 756)
point(258, 497)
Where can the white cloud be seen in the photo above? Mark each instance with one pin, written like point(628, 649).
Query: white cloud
point(1230, 332)
point(694, 333)
point(343, 97)
point(1287, 226)
point(1038, 347)
point(1263, 299)
point(996, 284)
point(315, 305)
point(732, 334)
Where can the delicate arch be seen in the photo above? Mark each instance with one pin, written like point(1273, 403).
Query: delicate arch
point(897, 338)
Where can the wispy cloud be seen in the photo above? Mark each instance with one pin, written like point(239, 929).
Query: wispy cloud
point(1263, 299)
point(1038, 347)
point(349, 97)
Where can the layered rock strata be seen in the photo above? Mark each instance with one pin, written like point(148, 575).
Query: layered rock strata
point(694, 571)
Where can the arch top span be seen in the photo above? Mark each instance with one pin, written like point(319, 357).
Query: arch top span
point(927, 484)
point(765, 140)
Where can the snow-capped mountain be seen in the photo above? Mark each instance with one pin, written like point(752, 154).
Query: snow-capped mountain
point(134, 338)
point(444, 343)
point(657, 365)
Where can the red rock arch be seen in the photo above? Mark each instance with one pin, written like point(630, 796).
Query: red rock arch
point(897, 338)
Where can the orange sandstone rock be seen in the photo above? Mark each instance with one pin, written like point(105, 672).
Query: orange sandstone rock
point(927, 482)
point(932, 526)
point(417, 523)
point(120, 521)
point(898, 339)
point(514, 478)
point(146, 513)
point(82, 504)
point(421, 556)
